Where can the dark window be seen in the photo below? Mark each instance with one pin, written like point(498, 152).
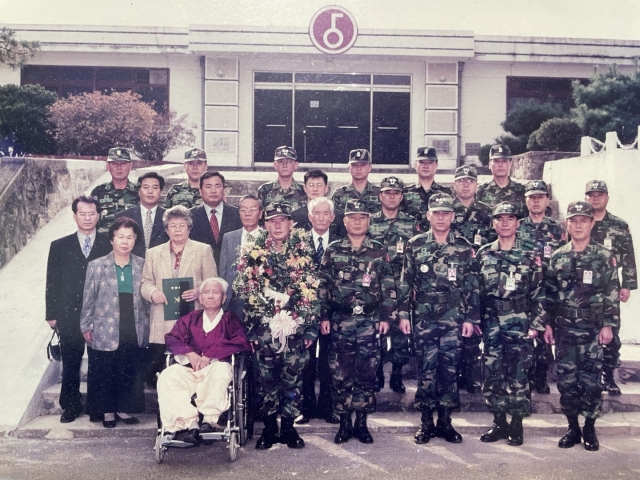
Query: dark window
point(540, 89)
point(333, 78)
point(391, 80)
point(272, 122)
point(274, 77)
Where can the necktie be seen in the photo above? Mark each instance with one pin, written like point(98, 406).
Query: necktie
point(215, 228)
point(87, 247)
point(319, 252)
point(148, 226)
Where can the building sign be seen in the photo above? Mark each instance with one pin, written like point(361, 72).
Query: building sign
point(472, 149)
point(333, 30)
point(441, 146)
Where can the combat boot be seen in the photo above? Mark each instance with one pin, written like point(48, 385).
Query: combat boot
point(608, 382)
point(288, 434)
point(360, 430)
point(516, 433)
point(269, 434)
point(573, 434)
point(380, 377)
point(542, 386)
point(427, 428)
point(345, 432)
point(444, 429)
point(589, 435)
point(395, 382)
point(498, 431)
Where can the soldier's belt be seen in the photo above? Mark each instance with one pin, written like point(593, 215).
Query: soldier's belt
point(574, 313)
point(594, 313)
point(366, 309)
point(511, 305)
point(440, 298)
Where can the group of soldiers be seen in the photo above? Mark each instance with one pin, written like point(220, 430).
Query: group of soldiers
point(427, 271)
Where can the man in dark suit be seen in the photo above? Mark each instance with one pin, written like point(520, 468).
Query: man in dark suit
point(148, 214)
point(66, 270)
point(214, 217)
point(250, 215)
point(316, 184)
point(321, 217)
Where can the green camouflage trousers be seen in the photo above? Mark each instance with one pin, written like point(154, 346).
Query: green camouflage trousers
point(354, 360)
point(579, 370)
point(279, 375)
point(438, 343)
point(395, 346)
point(507, 359)
point(611, 351)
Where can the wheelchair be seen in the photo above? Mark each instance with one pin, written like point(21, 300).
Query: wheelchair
point(239, 419)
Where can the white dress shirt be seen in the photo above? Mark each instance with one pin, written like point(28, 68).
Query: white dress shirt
point(325, 239)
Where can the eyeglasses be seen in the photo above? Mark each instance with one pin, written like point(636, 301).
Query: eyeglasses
point(177, 226)
point(250, 211)
point(87, 215)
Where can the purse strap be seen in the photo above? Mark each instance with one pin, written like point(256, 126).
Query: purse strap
point(53, 335)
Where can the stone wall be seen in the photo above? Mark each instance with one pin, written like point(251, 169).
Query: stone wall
point(530, 165)
point(35, 192)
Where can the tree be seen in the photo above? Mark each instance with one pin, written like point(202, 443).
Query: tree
point(92, 123)
point(168, 132)
point(15, 53)
point(24, 115)
point(557, 135)
point(609, 103)
point(526, 118)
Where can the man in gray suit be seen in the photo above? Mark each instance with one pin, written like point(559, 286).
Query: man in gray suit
point(250, 214)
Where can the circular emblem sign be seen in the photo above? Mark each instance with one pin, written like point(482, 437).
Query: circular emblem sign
point(333, 30)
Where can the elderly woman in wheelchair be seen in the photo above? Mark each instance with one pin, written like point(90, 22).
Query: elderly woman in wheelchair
point(202, 343)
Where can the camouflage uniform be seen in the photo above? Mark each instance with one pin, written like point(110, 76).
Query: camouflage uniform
point(113, 200)
point(183, 194)
point(491, 194)
point(580, 309)
point(614, 234)
point(508, 315)
point(369, 196)
point(393, 233)
point(355, 310)
point(273, 192)
point(416, 200)
point(439, 284)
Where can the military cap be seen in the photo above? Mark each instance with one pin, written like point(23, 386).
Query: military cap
point(427, 153)
point(277, 209)
point(579, 208)
point(505, 208)
point(535, 187)
point(355, 206)
point(466, 171)
point(596, 186)
point(391, 183)
point(359, 155)
point(499, 151)
point(286, 152)
point(441, 202)
point(119, 154)
point(195, 154)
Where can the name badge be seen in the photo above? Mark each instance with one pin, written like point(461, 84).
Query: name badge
point(511, 283)
point(400, 246)
point(451, 274)
point(608, 243)
point(366, 280)
point(547, 251)
point(477, 239)
point(587, 277)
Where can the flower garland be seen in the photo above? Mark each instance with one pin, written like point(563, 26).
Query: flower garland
point(291, 272)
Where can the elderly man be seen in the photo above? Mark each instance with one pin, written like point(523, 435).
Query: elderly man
point(285, 188)
point(187, 193)
point(360, 188)
point(202, 342)
point(118, 194)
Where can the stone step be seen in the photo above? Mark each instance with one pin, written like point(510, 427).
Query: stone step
point(467, 423)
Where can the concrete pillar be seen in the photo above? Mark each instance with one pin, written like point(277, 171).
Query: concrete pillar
point(585, 146)
point(611, 141)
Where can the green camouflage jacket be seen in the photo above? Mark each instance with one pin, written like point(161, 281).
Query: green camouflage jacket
point(544, 237)
point(369, 196)
point(393, 233)
point(416, 201)
point(113, 201)
point(273, 192)
point(473, 223)
point(445, 268)
point(183, 194)
point(491, 194)
point(614, 233)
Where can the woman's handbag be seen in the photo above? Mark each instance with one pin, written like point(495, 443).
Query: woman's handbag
point(53, 349)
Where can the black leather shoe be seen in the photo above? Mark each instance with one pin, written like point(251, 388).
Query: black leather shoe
point(109, 423)
point(498, 431)
point(332, 419)
point(360, 430)
point(573, 435)
point(609, 384)
point(269, 433)
point(516, 432)
point(191, 436)
point(96, 417)
point(345, 432)
point(303, 421)
point(206, 427)
point(427, 428)
point(395, 382)
point(289, 435)
point(591, 442)
point(444, 429)
point(68, 416)
point(128, 420)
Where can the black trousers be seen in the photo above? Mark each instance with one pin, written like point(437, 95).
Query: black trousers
point(317, 368)
point(72, 347)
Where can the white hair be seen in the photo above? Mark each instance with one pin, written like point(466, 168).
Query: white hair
point(317, 201)
point(220, 281)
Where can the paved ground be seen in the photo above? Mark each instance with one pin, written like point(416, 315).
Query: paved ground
point(390, 457)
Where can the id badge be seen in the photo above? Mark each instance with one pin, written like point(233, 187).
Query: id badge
point(477, 239)
point(511, 284)
point(547, 251)
point(366, 280)
point(400, 246)
point(451, 274)
point(587, 277)
point(608, 243)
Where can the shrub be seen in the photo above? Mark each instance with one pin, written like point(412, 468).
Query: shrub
point(559, 135)
point(526, 118)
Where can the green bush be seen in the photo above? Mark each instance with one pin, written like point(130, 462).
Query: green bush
point(559, 135)
point(483, 154)
point(526, 118)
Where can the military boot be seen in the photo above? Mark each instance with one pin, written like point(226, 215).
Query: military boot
point(345, 432)
point(516, 433)
point(395, 382)
point(498, 431)
point(444, 429)
point(380, 377)
point(427, 428)
point(589, 435)
point(573, 434)
point(608, 382)
point(269, 434)
point(360, 430)
point(542, 386)
point(288, 433)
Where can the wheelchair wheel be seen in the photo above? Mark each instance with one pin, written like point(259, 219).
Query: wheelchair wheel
point(244, 417)
point(160, 449)
point(233, 446)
